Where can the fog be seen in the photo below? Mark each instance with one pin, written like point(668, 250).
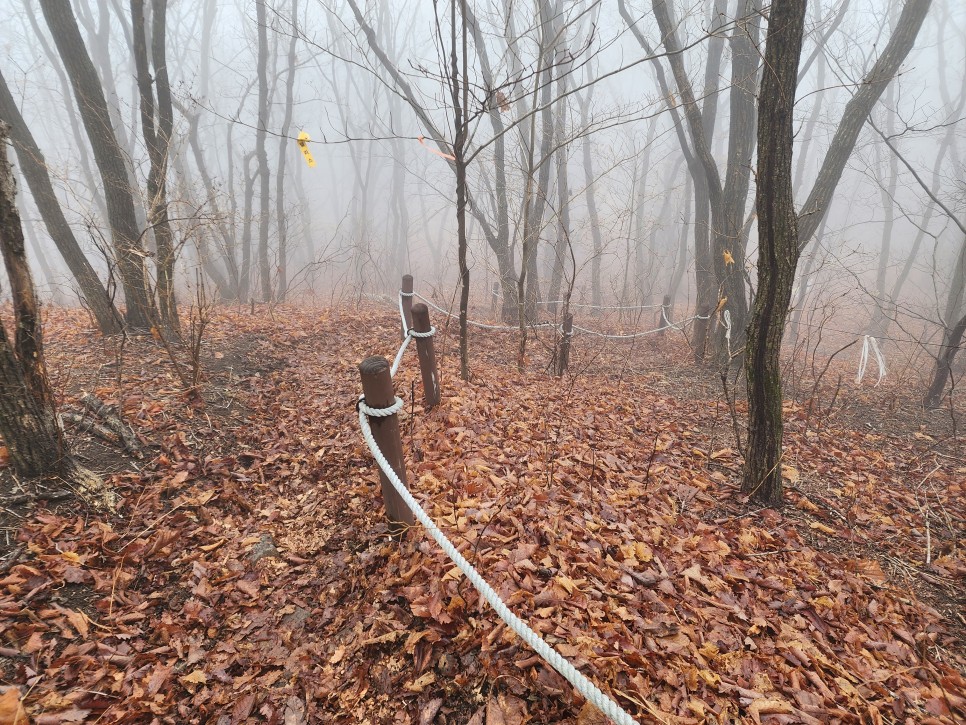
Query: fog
point(572, 143)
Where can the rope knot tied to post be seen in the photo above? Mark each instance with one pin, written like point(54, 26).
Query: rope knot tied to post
point(416, 333)
point(379, 412)
point(406, 294)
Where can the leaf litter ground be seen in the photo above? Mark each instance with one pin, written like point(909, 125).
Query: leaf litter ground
point(249, 576)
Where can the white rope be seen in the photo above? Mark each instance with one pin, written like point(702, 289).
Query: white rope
point(863, 360)
point(879, 358)
point(417, 333)
point(727, 325)
point(867, 342)
point(665, 322)
point(474, 323)
point(583, 685)
point(678, 326)
point(402, 314)
point(365, 410)
point(615, 307)
point(399, 355)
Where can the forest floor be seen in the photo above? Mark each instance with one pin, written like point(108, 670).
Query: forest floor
point(248, 575)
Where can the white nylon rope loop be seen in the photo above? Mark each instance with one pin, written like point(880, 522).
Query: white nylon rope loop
point(402, 315)
point(879, 358)
point(416, 333)
point(863, 360)
point(583, 685)
point(665, 322)
point(378, 413)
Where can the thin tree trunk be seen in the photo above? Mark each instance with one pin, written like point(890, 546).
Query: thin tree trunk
point(157, 136)
point(778, 251)
point(109, 158)
point(280, 216)
point(596, 293)
point(28, 419)
point(34, 169)
point(261, 154)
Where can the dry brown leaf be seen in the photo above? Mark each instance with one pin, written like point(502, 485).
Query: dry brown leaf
point(198, 677)
point(590, 715)
point(11, 711)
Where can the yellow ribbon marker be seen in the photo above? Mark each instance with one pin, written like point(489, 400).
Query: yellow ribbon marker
point(303, 142)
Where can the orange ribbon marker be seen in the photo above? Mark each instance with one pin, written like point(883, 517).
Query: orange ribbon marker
point(422, 140)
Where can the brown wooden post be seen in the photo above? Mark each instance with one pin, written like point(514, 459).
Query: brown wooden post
point(407, 302)
point(426, 349)
point(378, 392)
point(665, 315)
point(568, 331)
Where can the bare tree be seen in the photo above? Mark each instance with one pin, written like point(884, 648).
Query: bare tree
point(157, 122)
point(780, 246)
point(34, 169)
point(109, 157)
point(28, 420)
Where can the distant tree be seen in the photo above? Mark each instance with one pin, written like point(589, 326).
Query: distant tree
point(109, 157)
point(781, 234)
point(34, 168)
point(157, 122)
point(28, 420)
point(260, 153)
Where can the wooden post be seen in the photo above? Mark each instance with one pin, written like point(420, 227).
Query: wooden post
point(568, 331)
point(378, 392)
point(407, 302)
point(665, 315)
point(426, 350)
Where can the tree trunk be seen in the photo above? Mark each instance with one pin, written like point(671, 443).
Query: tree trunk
point(109, 158)
point(460, 91)
point(728, 217)
point(953, 334)
point(34, 168)
point(157, 137)
point(264, 270)
point(762, 476)
point(596, 293)
point(28, 421)
point(283, 143)
point(778, 251)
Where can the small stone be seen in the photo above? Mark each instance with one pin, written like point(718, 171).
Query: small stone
point(265, 547)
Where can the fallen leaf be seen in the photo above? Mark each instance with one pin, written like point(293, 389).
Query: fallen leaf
point(11, 711)
point(198, 677)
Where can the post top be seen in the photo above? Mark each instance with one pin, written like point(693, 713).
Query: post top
point(373, 365)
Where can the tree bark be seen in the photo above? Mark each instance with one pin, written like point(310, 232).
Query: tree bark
point(109, 158)
point(953, 333)
point(157, 121)
point(28, 421)
point(778, 251)
point(34, 168)
point(283, 143)
point(264, 270)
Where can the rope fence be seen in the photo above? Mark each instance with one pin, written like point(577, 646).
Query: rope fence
point(377, 377)
point(868, 341)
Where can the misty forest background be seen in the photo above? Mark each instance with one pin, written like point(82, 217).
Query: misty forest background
point(575, 133)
